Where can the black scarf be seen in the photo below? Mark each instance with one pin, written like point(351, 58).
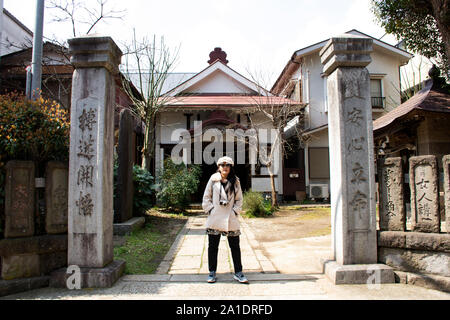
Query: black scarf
point(225, 190)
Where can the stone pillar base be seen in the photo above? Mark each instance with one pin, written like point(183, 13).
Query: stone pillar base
point(91, 277)
point(371, 274)
point(8, 287)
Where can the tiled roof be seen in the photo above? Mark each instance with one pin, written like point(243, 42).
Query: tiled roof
point(427, 99)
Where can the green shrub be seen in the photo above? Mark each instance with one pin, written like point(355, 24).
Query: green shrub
point(144, 188)
point(177, 183)
point(255, 205)
point(33, 130)
point(36, 131)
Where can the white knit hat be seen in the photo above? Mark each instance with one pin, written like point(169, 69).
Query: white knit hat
point(225, 160)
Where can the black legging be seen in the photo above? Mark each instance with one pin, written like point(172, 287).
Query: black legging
point(213, 249)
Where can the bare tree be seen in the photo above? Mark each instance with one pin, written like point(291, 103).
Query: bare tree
point(148, 63)
point(83, 17)
point(279, 114)
point(79, 13)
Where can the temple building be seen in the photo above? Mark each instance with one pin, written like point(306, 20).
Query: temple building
point(213, 107)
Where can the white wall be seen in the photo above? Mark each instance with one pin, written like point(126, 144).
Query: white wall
point(167, 124)
point(383, 66)
point(313, 90)
point(13, 38)
point(387, 65)
point(219, 82)
point(415, 72)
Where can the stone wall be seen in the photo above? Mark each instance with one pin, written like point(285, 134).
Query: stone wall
point(421, 253)
point(28, 254)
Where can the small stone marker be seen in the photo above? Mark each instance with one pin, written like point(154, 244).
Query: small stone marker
point(446, 165)
point(19, 199)
point(56, 197)
point(391, 209)
point(123, 205)
point(424, 185)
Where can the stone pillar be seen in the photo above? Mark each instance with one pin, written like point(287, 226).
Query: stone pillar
point(90, 227)
point(352, 179)
point(446, 165)
point(123, 205)
point(391, 207)
point(424, 185)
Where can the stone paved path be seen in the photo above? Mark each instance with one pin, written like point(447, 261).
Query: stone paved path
point(189, 253)
point(182, 275)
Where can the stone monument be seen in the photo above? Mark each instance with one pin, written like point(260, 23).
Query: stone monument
point(446, 165)
point(350, 132)
point(123, 205)
point(90, 214)
point(19, 199)
point(56, 197)
point(424, 185)
point(391, 208)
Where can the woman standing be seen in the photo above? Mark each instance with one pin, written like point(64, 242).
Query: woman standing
point(222, 201)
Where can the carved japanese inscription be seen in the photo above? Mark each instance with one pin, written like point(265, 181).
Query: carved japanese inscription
point(355, 117)
point(358, 174)
point(87, 120)
point(423, 193)
point(57, 197)
point(356, 144)
point(87, 148)
point(85, 175)
point(425, 216)
point(19, 199)
point(392, 212)
point(86, 152)
point(85, 204)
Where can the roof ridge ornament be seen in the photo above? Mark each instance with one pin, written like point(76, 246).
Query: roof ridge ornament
point(218, 54)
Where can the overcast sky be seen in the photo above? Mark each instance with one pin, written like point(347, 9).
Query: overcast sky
point(256, 34)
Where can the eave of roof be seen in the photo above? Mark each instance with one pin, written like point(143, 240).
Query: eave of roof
point(426, 100)
point(230, 101)
point(20, 24)
point(47, 45)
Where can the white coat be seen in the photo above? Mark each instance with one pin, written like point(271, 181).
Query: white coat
point(222, 218)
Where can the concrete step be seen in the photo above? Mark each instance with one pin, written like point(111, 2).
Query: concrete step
point(126, 228)
point(195, 206)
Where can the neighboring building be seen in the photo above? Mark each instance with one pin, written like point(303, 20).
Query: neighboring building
point(414, 74)
point(221, 99)
point(302, 80)
point(14, 35)
point(418, 127)
point(56, 72)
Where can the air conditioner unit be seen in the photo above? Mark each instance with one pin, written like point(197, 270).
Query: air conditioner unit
point(319, 191)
